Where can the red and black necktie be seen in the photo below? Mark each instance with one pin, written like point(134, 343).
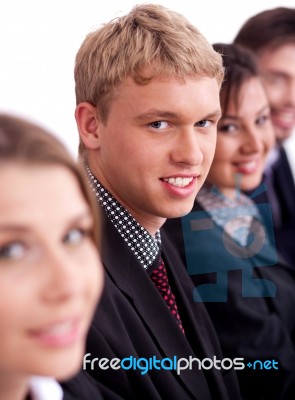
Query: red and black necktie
point(160, 278)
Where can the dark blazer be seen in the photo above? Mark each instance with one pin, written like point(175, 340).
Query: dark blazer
point(133, 320)
point(284, 188)
point(82, 387)
point(254, 328)
point(68, 396)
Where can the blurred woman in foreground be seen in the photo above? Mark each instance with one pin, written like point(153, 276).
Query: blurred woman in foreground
point(50, 273)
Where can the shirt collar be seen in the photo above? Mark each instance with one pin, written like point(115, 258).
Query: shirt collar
point(234, 216)
point(44, 388)
point(143, 245)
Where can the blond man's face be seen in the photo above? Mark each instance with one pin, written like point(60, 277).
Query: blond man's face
point(157, 146)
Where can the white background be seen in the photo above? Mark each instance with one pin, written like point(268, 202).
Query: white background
point(39, 40)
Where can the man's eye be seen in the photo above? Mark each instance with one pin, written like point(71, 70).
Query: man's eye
point(159, 125)
point(204, 123)
point(12, 251)
point(275, 79)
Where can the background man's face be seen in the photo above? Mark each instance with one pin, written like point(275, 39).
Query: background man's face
point(278, 69)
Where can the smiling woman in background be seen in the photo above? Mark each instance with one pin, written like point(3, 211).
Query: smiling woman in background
point(50, 272)
point(227, 241)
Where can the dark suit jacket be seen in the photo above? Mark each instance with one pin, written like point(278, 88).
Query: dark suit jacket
point(254, 328)
point(70, 396)
point(283, 184)
point(133, 320)
point(280, 194)
point(82, 387)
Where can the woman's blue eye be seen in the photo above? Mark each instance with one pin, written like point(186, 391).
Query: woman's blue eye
point(76, 236)
point(159, 124)
point(12, 251)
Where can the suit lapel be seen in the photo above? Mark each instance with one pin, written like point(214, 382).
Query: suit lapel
point(130, 277)
point(284, 184)
point(201, 332)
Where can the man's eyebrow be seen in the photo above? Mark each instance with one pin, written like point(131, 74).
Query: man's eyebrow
point(276, 73)
point(215, 114)
point(155, 113)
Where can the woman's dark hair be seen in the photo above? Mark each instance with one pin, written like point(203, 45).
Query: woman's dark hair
point(25, 142)
point(240, 65)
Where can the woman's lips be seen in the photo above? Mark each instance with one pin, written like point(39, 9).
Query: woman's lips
point(247, 167)
point(61, 333)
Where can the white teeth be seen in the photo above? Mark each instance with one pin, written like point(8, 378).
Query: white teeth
point(179, 182)
point(288, 117)
point(250, 164)
point(60, 329)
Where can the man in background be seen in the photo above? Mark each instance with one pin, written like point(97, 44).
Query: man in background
point(271, 36)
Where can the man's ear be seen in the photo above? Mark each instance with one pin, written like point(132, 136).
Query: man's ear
point(88, 125)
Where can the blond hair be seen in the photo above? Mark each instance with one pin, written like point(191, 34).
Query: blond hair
point(148, 36)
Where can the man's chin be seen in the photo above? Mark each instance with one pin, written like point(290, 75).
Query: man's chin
point(283, 134)
point(180, 212)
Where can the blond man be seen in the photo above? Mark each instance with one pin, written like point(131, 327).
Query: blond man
point(147, 88)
